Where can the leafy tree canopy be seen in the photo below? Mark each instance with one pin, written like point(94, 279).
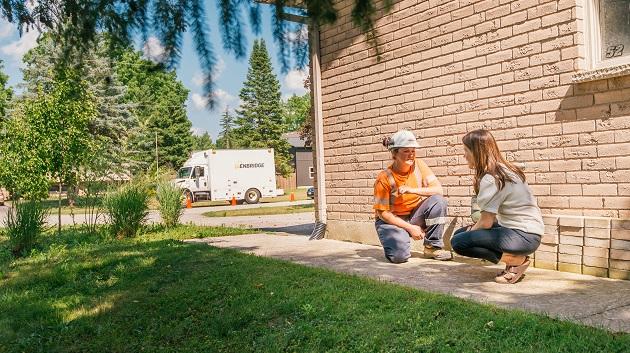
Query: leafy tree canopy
point(78, 23)
point(296, 111)
point(6, 93)
point(159, 103)
point(202, 142)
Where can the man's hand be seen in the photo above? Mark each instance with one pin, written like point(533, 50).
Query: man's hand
point(404, 189)
point(415, 232)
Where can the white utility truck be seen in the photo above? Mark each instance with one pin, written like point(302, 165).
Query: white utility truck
point(246, 175)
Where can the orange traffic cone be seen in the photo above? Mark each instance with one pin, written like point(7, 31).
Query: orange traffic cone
point(292, 198)
point(233, 201)
point(188, 202)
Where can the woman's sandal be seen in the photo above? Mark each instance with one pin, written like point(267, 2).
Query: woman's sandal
point(513, 274)
point(504, 271)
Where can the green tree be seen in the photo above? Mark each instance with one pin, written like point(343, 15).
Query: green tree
point(226, 139)
point(158, 101)
point(259, 123)
point(49, 137)
point(6, 93)
point(296, 111)
point(202, 142)
point(80, 22)
point(114, 122)
point(22, 167)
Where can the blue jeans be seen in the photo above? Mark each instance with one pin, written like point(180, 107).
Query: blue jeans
point(430, 215)
point(490, 244)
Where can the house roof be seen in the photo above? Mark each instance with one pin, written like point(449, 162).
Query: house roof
point(294, 139)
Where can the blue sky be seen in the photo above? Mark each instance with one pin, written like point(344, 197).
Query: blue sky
point(230, 73)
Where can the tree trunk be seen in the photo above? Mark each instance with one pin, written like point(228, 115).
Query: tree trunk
point(59, 210)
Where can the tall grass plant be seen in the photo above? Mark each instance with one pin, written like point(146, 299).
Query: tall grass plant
point(127, 210)
point(25, 222)
point(170, 200)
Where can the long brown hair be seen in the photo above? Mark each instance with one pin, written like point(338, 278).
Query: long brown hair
point(488, 159)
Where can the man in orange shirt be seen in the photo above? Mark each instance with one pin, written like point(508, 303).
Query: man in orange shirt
point(408, 203)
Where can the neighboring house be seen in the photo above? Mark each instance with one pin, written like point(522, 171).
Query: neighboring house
point(550, 79)
point(302, 159)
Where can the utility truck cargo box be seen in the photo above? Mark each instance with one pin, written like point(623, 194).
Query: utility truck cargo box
point(246, 175)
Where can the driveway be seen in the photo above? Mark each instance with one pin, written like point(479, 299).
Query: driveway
point(295, 223)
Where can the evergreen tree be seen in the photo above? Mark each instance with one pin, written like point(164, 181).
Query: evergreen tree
point(202, 142)
point(80, 22)
point(259, 123)
point(114, 123)
point(227, 124)
point(159, 104)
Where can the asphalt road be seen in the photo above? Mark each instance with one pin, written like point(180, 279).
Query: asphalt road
point(295, 223)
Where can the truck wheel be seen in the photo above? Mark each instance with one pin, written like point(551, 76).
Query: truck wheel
point(252, 196)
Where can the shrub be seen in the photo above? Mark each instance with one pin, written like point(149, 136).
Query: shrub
point(127, 210)
point(25, 223)
point(170, 198)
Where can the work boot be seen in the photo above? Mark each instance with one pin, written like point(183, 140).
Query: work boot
point(437, 253)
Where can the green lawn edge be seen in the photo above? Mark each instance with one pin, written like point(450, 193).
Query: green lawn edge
point(156, 293)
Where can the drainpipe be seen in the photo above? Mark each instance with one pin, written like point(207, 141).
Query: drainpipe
point(318, 115)
point(318, 129)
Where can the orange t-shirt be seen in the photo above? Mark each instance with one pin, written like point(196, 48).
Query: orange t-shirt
point(401, 205)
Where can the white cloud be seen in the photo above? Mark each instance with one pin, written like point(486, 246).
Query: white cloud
point(18, 48)
point(153, 49)
point(223, 100)
point(6, 28)
point(197, 79)
point(199, 101)
point(294, 81)
point(298, 36)
point(198, 131)
point(219, 68)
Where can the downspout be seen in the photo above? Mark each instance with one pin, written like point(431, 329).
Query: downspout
point(318, 115)
point(318, 129)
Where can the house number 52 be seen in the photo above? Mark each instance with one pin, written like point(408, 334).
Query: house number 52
point(614, 50)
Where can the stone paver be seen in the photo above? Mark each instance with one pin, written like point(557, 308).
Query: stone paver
point(590, 300)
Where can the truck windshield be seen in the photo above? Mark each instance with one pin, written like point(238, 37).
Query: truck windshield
point(184, 173)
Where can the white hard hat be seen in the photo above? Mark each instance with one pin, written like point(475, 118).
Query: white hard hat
point(402, 139)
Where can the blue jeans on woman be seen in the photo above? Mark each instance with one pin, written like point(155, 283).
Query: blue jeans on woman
point(490, 244)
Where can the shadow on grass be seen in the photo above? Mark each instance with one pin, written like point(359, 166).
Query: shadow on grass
point(169, 296)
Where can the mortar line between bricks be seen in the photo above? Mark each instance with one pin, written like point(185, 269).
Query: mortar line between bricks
point(600, 312)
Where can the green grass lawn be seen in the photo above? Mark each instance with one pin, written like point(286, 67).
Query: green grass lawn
point(158, 294)
point(262, 211)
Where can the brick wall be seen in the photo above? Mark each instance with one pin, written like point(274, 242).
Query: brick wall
point(448, 67)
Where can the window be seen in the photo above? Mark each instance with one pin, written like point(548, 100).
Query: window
point(184, 173)
point(608, 33)
point(311, 172)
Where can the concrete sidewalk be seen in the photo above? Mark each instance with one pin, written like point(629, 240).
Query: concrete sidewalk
point(590, 300)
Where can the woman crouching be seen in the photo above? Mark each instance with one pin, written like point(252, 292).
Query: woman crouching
point(511, 224)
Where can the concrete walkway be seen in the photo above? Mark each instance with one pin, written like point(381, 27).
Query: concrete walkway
point(590, 300)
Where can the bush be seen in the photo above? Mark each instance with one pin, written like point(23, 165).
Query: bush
point(170, 198)
point(25, 223)
point(127, 210)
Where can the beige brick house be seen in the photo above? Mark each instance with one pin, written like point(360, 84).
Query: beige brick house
point(550, 79)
